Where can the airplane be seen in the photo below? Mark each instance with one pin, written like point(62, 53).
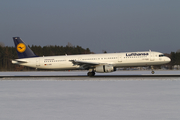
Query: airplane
point(100, 63)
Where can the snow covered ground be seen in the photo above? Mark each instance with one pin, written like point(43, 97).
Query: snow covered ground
point(90, 98)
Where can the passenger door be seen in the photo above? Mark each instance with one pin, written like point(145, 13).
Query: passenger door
point(37, 62)
point(119, 58)
point(151, 56)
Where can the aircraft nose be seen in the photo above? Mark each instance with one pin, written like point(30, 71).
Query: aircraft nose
point(168, 59)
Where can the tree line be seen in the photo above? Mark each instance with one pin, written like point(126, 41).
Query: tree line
point(9, 53)
point(175, 59)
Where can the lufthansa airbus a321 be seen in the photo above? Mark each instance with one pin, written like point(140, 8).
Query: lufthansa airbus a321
point(102, 63)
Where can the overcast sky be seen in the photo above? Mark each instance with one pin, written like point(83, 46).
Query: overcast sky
point(111, 25)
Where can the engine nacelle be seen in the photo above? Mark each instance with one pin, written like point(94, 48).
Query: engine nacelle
point(105, 68)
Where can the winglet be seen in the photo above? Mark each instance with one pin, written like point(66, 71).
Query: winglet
point(22, 49)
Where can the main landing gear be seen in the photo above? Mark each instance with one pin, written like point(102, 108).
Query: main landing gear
point(91, 74)
point(152, 70)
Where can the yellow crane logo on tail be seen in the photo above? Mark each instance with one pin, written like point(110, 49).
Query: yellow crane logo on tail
point(21, 47)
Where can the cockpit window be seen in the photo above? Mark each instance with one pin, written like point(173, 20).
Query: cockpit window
point(161, 55)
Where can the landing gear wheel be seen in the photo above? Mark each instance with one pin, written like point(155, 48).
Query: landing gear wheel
point(91, 74)
point(152, 70)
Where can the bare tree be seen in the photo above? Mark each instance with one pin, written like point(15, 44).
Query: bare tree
point(1, 44)
point(69, 44)
point(178, 51)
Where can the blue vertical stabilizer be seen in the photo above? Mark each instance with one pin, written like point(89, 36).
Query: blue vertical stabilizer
point(22, 49)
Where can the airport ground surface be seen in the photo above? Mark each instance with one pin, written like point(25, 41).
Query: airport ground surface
point(73, 74)
point(87, 98)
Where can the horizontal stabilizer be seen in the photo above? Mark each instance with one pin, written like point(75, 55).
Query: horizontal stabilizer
point(18, 61)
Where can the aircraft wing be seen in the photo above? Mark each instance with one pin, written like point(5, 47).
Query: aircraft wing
point(83, 64)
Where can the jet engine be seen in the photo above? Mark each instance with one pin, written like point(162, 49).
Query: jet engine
point(105, 68)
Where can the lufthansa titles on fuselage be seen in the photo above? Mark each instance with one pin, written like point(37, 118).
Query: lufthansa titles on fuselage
point(137, 54)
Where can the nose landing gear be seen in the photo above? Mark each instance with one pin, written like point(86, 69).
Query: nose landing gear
point(152, 70)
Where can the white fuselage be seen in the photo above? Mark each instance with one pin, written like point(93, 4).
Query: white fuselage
point(146, 58)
